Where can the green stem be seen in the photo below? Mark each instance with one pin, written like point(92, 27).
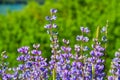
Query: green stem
point(97, 32)
point(54, 74)
point(93, 72)
point(93, 66)
point(106, 33)
point(82, 47)
point(105, 46)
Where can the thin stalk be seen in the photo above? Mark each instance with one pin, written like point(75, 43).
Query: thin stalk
point(54, 74)
point(81, 47)
point(97, 32)
point(105, 46)
point(93, 72)
point(93, 67)
point(82, 57)
point(106, 33)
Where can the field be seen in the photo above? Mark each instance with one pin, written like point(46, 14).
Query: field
point(27, 27)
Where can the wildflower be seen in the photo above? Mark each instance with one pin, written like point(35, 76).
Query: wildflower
point(53, 10)
point(47, 18)
point(77, 48)
point(21, 58)
point(48, 26)
point(85, 48)
point(36, 52)
point(103, 29)
point(53, 17)
point(115, 67)
point(86, 30)
point(85, 39)
point(23, 49)
point(104, 39)
point(79, 38)
point(65, 41)
point(54, 26)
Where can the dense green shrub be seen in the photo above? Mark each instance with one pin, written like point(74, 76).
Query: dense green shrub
point(27, 26)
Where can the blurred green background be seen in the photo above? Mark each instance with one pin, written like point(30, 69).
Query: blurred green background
point(23, 23)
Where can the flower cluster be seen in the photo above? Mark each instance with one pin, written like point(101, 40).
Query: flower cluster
point(81, 37)
point(115, 67)
point(33, 66)
point(97, 62)
point(66, 63)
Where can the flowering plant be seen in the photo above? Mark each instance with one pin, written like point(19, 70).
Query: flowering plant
point(64, 64)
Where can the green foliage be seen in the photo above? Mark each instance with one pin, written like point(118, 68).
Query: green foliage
point(26, 27)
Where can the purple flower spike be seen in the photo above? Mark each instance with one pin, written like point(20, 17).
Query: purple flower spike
point(115, 67)
point(23, 49)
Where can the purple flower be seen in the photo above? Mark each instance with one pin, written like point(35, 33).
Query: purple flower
point(103, 29)
point(82, 38)
point(66, 41)
point(79, 38)
point(99, 48)
point(86, 30)
point(47, 18)
point(104, 38)
point(54, 26)
point(53, 10)
point(85, 48)
point(110, 78)
point(77, 48)
point(28, 64)
point(99, 54)
point(21, 58)
point(117, 54)
point(53, 17)
point(27, 74)
point(23, 49)
point(36, 52)
point(20, 67)
point(5, 56)
point(85, 39)
point(48, 26)
point(92, 53)
point(100, 61)
point(66, 49)
point(115, 67)
point(82, 29)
